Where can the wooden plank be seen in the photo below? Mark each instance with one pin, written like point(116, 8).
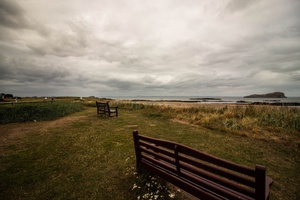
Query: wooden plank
point(217, 161)
point(215, 169)
point(156, 148)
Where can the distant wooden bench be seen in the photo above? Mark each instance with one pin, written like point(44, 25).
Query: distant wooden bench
point(200, 174)
point(104, 108)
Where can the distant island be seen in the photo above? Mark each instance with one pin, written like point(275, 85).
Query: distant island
point(268, 95)
point(206, 99)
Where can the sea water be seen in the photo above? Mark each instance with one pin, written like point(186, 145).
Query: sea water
point(217, 99)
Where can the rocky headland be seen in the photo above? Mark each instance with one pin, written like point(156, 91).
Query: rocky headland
point(268, 95)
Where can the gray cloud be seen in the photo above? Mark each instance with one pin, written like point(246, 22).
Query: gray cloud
point(27, 70)
point(166, 48)
point(12, 15)
point(239, 5)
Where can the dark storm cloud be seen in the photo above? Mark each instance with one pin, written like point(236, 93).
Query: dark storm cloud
point(231, 47)
point(12, 15)
point(23, 70)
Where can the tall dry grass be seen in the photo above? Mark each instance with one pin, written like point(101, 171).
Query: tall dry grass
point(280, 123)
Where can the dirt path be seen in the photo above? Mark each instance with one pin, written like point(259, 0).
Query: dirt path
point(13, 133)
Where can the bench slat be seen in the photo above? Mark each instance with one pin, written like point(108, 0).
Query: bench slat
point(162, 143)
point(217, 161)
point(219, 171)
point(195, 172)
point(157, 149)
point(165, 165)
point(158, 156)
point(215, 188)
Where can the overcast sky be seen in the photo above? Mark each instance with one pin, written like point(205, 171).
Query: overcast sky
point(145, 47)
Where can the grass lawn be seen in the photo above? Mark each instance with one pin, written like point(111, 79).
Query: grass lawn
point(85, 156)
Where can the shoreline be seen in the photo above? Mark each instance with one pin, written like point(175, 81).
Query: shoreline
point(215, 103)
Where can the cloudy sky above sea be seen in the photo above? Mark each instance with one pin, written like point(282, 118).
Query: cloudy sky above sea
point(145, 47)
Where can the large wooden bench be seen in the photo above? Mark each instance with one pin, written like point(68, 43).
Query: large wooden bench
point(104, 108)
point(200, 174)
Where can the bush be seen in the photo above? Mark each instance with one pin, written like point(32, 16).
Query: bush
point(37, 111)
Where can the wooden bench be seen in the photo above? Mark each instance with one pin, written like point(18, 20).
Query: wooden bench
point(104, 108)
point(200, 174)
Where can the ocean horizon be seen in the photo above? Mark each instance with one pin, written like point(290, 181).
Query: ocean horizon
point(223, 99)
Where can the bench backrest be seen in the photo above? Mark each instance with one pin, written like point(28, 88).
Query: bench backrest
point(202, 172)
point(102, 107)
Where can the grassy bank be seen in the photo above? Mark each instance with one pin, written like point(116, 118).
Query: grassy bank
point(85, 156)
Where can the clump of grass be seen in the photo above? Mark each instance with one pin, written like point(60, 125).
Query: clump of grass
point(253, 121)
point(37, 112)
point(287, 118)
point(241, 118)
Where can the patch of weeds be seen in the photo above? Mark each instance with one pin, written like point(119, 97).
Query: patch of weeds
point(231, 124)
point(148, 186)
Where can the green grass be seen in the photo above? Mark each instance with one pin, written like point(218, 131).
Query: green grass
point(92, 157)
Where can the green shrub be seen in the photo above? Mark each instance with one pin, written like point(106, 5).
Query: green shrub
point(36, 111)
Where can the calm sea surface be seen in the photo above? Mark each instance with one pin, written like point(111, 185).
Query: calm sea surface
point(224, 99)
